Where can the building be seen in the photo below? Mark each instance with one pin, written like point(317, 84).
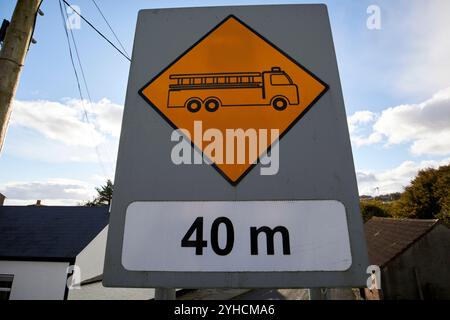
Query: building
point(90, 262)
point(38, 244)
point(413, 255)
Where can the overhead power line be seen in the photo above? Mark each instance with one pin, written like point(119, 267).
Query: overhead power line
point(64, 18)
point(101, 34)
point(79, 62)
point(110, 28)
point(70, 50)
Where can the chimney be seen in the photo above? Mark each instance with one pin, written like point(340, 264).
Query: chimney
point(2, 199)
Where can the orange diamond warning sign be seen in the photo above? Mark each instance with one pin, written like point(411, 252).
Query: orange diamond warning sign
point(233, 79)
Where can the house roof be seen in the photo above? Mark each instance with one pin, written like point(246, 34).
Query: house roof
point(48, 233)
point(388, 237)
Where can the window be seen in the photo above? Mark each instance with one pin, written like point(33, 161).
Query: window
point(278, 79)
point(6, 281)
point(221, 79)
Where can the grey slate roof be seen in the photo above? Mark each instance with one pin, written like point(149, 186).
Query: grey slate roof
point(48, 233)
point(387, 237)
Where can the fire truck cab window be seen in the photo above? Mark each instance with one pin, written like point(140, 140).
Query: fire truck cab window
point(277, 79)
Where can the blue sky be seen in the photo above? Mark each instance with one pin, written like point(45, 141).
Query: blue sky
point(395, 82)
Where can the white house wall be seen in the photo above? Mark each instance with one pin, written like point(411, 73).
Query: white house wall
point(35, 280)
point(91, 259)
point(96, 291)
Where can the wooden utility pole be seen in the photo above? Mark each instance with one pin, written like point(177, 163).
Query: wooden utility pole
point(12, 57)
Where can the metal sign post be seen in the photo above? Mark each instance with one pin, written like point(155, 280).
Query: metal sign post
point(165, 294)
point(191, 208)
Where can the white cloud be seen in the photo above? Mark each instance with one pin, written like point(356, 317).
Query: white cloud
point(25, 144)
point(357, 124)
point(393, 180)
point(66, 121)
point(364, 141)
point(51, 192)
point(107, 116)
point(47, 202)
point(57, 132)
point(359, 118)
point(101, 179)
point(55, 121)
point(425, 126)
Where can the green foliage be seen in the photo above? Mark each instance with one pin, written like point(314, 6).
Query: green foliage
point(427, 197)
point(389, 197)
point(442, 191)
point(104, 195)
point(373, 208)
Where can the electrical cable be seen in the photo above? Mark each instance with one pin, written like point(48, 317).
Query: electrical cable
point(110, 28)
point(92, 26)
point(64, 19)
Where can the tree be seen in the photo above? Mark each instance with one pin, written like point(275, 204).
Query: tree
point(442, 191)
point(427, 196)
point(104, 195)
point(373, 208)
point(389, 197)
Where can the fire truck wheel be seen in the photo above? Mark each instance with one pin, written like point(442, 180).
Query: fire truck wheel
point(212, 105)
point(279, 104)
point(193, 105)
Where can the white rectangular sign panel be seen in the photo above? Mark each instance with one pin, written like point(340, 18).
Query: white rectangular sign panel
point(225, 236)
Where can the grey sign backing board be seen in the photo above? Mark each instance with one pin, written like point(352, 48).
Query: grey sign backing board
point(206, 225)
